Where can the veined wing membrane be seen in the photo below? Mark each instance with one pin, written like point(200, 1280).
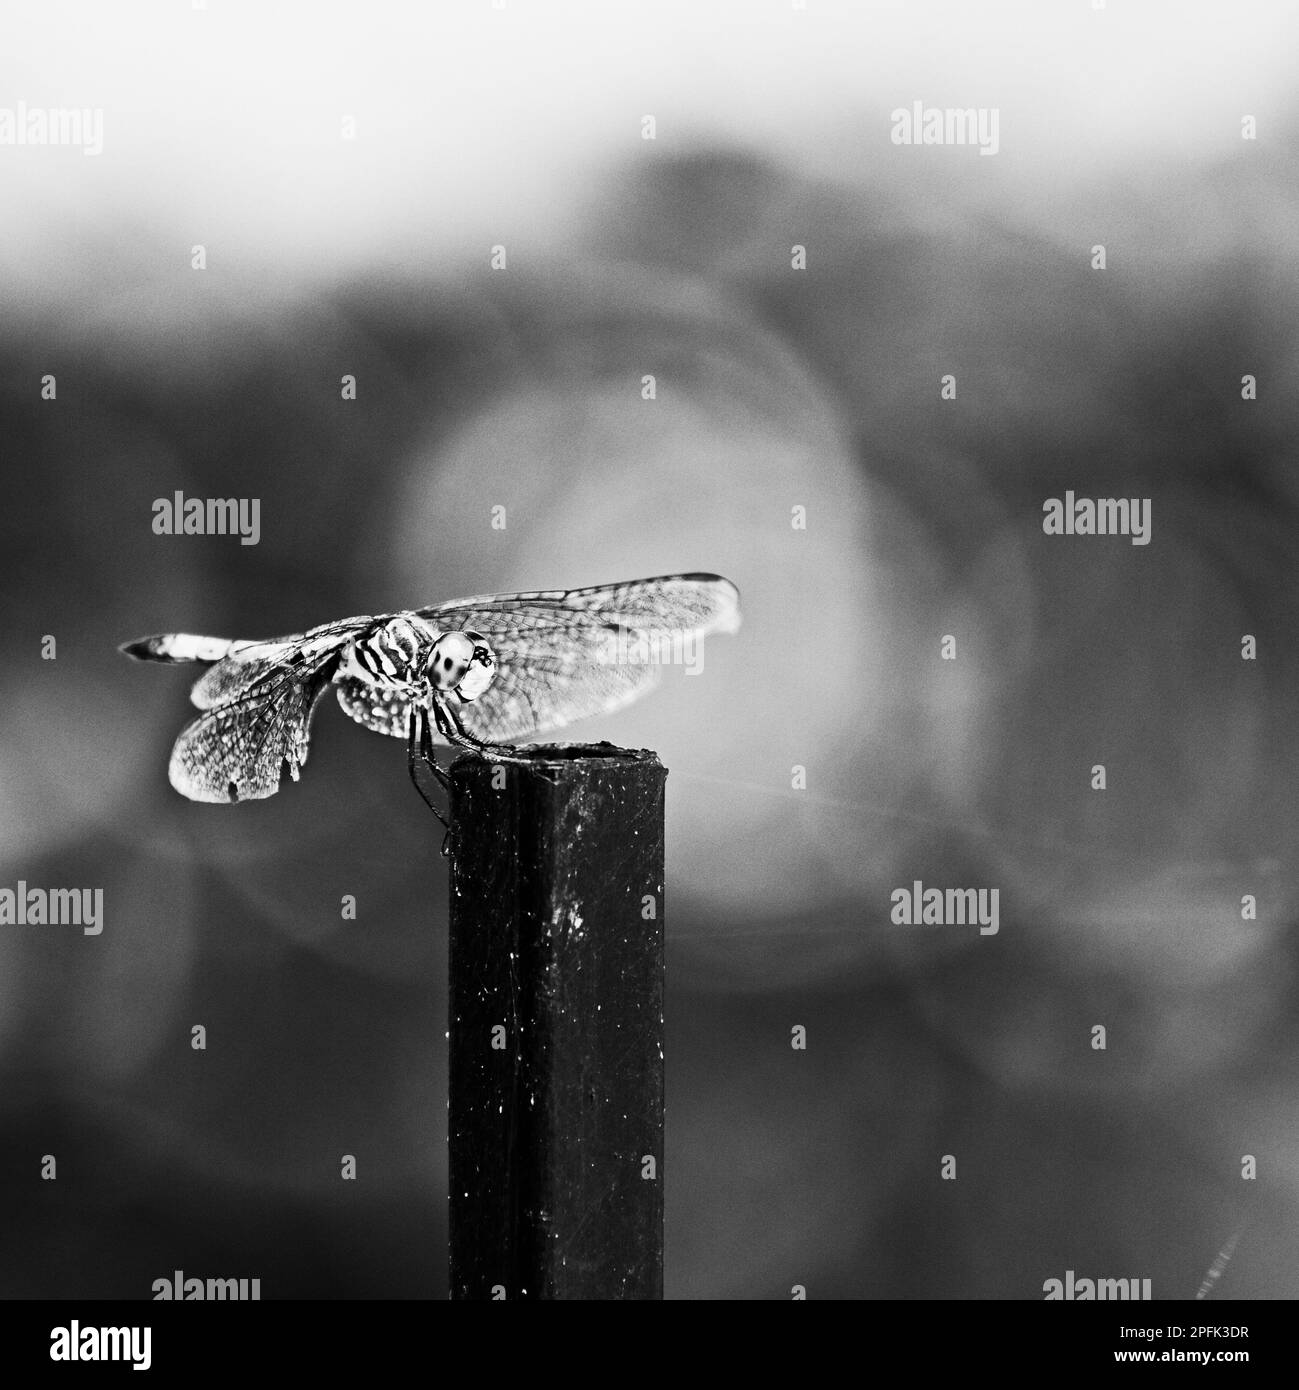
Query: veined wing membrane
point(701, 603)
point(563, 655)
point(238, 750)
point(534, 691)
point(252, 662)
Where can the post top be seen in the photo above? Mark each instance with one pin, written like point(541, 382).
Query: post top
point(541, 754)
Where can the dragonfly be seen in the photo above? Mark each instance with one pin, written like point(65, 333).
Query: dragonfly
point(476, 673)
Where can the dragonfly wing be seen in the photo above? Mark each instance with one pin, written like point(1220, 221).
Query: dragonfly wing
point(238, 751)
point(530, 694)
point(670, 603)
point(566, 654)
point(251, 662)
point(232, 676)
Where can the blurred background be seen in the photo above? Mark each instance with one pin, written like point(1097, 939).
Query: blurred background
point(475, 126)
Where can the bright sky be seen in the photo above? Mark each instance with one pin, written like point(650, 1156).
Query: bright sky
point(223, 124)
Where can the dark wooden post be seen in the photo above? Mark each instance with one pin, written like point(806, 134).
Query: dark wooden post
point(556, 1049)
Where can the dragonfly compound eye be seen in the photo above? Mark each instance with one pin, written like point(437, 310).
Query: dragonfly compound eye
point(463, 662)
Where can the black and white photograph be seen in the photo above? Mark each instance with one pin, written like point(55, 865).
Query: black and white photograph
point(649, 653)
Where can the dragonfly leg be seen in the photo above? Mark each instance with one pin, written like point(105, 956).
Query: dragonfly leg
point(427, 752)
point(419, 753)
point(451, 729)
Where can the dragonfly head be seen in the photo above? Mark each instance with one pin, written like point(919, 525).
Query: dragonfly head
point(463, 662)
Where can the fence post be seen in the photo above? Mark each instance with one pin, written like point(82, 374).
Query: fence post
point(556, 1022)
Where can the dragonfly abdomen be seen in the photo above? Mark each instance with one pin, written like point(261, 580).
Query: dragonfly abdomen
point(181, 646)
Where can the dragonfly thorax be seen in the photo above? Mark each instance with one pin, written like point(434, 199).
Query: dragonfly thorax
point(410, 654)
point(392, 653)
